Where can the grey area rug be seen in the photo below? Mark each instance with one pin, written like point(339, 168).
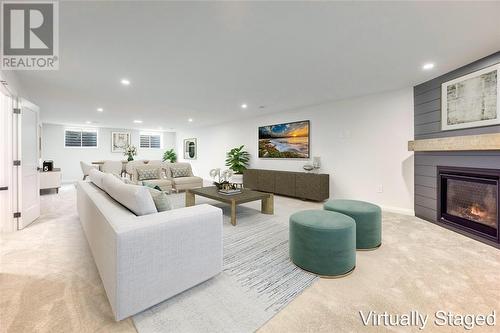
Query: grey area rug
point(257, 281)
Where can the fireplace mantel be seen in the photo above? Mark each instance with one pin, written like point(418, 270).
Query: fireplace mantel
point(457, 143)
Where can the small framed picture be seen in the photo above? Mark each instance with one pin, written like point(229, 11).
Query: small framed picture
point(190, 148)
point(119, 141)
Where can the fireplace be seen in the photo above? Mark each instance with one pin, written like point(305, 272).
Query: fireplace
point(468, 199)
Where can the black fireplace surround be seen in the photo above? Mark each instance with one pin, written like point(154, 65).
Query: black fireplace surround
point(469, 200)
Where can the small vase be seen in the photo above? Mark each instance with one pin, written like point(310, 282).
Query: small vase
point(130, 158)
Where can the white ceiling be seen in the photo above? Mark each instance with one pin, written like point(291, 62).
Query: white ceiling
point(202, 60)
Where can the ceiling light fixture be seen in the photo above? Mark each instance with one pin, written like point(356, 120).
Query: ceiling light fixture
point(100, 109)
point(244, 106)
point(125, 82)
point(88, 122)
point(190, 120)
point(428, 66)
point(138, 121)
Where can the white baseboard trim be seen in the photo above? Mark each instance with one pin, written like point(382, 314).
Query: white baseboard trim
point(398, 210)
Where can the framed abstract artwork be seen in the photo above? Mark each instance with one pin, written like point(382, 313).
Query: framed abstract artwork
point(119, 141)
point(190, 149)
point(471, 100)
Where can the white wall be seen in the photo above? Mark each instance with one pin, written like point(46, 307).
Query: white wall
point(362, 143)
point(68, 159)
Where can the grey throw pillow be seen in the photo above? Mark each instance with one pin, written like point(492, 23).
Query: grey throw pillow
point(180, 171)
point(145, 174)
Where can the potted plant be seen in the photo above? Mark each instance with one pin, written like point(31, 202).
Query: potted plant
point(221, 178)
point(237, 159)
point(130, 152)
point(170, 156)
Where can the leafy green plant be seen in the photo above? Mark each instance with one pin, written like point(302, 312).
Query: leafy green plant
point(170, 156)
point(237, 159)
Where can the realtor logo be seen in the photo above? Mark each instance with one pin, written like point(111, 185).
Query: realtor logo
point(29, 35)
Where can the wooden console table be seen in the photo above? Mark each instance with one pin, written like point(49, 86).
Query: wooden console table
point(303, 185)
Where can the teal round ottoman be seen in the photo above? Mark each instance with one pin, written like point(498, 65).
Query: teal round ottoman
point(323, 242)
point(368, 219)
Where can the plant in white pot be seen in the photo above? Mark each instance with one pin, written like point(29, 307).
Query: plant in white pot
point(237, 160)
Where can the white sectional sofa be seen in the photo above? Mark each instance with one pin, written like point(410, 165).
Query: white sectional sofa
point(144, 260)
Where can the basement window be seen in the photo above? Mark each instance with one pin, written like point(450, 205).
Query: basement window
point(80, 138)
point(150, 140)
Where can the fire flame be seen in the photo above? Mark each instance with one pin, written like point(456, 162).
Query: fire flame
point(476, 210)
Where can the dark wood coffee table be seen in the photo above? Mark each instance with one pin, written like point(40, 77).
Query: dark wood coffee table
point(267, 205)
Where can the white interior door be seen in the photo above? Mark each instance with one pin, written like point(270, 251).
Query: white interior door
point(7, 223)
point(29, 177)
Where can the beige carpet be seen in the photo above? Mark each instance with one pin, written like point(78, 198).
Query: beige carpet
point(49, 283)
point(48, 280)
point(420, 266)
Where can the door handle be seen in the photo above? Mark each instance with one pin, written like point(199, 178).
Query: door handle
point(4, 188)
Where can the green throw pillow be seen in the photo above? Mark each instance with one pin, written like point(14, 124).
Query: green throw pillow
point(161, 200)
point(151, 185)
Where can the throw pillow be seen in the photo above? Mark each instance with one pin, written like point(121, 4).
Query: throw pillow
point(151, 185)
point(161, 200)
point(97, 177)
point(180, 171)
point(145, 174)
point(133, 197)
point(125, 180)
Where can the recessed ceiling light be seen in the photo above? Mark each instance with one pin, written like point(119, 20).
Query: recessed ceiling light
point(190, 120)
point(88, 122)
point(138, 121)
point(244, 106)
point(428, 66)
point(125, 82)
point(159, 127)
point(100, 109)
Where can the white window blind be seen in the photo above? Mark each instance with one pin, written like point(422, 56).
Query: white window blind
point(78, 137)
point(150, 140)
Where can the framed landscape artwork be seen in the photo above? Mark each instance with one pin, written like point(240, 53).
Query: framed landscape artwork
point(471, 100)
point(190, 147)
point(288, 140)
point(119, 141)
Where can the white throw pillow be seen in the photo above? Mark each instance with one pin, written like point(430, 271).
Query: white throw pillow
point(97, 177)
point(136, 198)
point(123, 180)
